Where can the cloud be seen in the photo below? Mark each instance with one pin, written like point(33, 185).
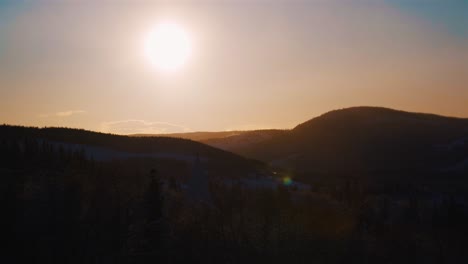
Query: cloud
point(69, 113)
point(135, 126)
point(63, 114)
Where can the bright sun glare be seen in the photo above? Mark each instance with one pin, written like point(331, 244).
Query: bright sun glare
point(167, 47)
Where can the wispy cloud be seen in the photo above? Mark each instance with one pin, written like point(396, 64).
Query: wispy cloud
point(63, 114)
point(135, 126)
point(69, 113)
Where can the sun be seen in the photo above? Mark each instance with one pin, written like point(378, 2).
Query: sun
point(168, 47)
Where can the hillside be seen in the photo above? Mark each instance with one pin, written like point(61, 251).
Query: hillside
point(237, 143)
point(232, 141)
point(108, 147)
point(369, 139)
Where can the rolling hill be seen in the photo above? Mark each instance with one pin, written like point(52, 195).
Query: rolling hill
point(107, 147)
point(357, 140)
point(369, 139)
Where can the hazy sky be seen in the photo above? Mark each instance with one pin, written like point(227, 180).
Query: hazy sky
point(254, 64)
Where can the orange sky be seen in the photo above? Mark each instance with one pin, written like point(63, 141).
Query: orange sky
point(263, 65)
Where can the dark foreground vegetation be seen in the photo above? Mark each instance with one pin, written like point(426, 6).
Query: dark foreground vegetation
point(58, 206)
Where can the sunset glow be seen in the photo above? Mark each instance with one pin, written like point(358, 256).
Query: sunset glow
point(245, 66)
point(234, 131)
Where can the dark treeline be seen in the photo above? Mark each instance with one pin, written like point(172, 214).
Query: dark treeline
point(115, 142)
point(60, 207)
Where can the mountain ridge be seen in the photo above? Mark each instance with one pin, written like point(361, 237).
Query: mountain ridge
point(361, 139)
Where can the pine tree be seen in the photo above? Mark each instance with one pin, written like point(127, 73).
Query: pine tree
point(153, 198)
point(154, 227)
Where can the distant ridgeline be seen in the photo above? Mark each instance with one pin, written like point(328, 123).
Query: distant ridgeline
point(357, 142)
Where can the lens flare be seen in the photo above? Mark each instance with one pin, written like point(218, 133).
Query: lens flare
point(287, 181)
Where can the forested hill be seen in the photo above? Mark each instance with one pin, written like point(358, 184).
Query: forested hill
point(119, 145)
point(367, 139)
